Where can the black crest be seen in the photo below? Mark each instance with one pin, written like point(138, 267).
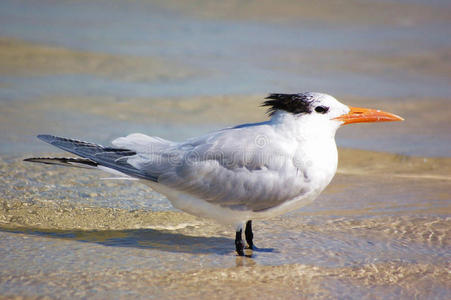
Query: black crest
point(293, 103)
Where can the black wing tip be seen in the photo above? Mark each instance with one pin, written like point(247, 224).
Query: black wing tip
point(34, 159)
point(53, 140)
point(67, 161)
point(38, 159)
point(96, 154)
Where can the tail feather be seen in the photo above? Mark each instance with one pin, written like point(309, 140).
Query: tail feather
point(112, 158)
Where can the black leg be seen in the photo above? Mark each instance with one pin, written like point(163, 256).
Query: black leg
point(249, 235)
point(239, 244)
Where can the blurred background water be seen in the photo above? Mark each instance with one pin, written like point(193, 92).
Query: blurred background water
point(235, 55)
point(393, 54)
point(95, 70)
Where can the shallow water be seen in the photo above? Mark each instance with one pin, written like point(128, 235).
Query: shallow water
point(68, 234)
point(96, 70)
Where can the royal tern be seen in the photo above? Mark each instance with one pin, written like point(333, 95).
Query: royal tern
point(237, 174)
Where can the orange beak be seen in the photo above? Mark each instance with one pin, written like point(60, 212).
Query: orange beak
point(360, 115)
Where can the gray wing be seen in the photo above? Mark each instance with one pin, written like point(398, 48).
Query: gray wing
point(114, 158)
point(231, 168)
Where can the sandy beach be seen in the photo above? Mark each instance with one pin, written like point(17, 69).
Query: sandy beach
point(96, 70)
point(80, 237)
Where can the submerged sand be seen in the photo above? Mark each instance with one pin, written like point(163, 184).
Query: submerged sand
point(325, 11)
point(255, 282)
point(381, 228)
point(20, 58)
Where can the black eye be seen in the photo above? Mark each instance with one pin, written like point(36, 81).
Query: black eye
point(322, 109)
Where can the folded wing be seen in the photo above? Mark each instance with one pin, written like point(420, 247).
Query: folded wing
point(239, 168)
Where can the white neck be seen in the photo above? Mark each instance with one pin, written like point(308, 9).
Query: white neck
point(315, 142)
point(305, 126)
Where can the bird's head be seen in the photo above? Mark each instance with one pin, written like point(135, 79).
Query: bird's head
point(323, 110)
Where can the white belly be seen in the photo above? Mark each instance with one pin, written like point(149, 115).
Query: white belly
point(224, 215)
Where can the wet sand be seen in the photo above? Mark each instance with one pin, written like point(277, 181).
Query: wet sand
point(68, 234)
point(326, 11)
point(20, 58)
point(96, 70)
point(426, 131)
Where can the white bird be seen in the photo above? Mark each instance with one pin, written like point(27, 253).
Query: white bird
point(238, 174)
